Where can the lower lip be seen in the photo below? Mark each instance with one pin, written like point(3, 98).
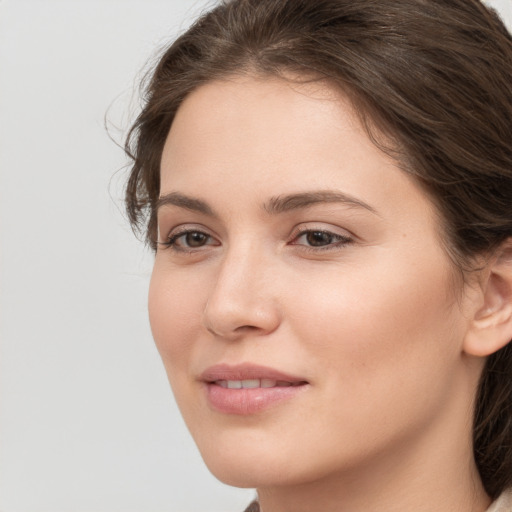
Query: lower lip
point(249, 401)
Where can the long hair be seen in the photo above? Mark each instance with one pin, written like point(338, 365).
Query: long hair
point(433, 76)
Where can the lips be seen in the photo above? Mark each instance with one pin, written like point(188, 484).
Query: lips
point(254, 383)
point(248, 389)
point(247, 371)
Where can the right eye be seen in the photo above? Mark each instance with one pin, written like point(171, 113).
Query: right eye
point(189, 240)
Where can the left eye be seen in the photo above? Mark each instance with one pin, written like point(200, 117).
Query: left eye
point(319, 238)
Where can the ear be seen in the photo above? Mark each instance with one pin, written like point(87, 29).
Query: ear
point(491, 324)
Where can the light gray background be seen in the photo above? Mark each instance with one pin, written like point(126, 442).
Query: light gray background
point(87, 422)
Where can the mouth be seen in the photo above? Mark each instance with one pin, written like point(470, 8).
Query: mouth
point(255, 383)
point(248, 389)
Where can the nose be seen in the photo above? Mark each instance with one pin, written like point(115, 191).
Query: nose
point(242, 300)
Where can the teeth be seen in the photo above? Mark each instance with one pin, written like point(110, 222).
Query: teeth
point(252, 383)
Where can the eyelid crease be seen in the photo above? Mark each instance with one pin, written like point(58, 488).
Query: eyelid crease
point(340, 240)
point(323, 227)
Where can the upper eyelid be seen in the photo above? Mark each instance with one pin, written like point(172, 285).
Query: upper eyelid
point(296, 231)
point(179, 234)
point(325, 231)
point(317, 226)
point(187, 228)
point(338, 239)
point(184, 228)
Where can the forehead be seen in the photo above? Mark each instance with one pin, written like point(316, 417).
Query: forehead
point(254, 102)
point(237, 144)
point(273, 133)
point(262, 123)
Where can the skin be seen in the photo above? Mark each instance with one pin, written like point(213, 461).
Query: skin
point(373, 319)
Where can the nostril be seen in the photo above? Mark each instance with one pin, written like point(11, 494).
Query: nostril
point(244, 328)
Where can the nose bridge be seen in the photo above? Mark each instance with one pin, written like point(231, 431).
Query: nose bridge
point(242, 297)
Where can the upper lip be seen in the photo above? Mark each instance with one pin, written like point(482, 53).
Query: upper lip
point(246, 371)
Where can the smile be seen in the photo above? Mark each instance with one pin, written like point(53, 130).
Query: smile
point(248, 389)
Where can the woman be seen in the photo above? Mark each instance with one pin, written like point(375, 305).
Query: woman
point(327, 185)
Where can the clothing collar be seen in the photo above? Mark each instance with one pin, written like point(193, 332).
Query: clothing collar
point(502, 504)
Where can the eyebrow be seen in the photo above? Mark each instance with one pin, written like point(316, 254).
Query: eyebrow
point(186, 202)
point(275, 206)
point(281, 204)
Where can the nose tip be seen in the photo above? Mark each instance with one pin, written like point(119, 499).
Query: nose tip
point(235, 319)
point(242, 301)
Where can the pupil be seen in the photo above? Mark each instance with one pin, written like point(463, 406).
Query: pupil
point(195, 239)
point(318, 238)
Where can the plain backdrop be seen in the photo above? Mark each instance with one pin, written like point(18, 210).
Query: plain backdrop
point(87, 420)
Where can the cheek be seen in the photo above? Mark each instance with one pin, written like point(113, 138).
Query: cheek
point(175, 310)
point(383, 351)
point(381, 326)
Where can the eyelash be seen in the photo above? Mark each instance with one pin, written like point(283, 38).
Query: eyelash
point(340, 240)
point(172, 239)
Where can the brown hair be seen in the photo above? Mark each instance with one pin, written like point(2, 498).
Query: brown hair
point(434, 76)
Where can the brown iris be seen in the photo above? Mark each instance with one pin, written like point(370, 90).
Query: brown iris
point(319, 238)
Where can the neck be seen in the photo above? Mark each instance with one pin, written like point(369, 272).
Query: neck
point(396, 491)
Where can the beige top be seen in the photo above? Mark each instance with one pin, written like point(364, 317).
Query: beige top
point(502, 504)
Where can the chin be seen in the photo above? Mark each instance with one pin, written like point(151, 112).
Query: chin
point(248, 466)
point(238, 468)
point(256, 474)
point(236, 476)
point(262, 464)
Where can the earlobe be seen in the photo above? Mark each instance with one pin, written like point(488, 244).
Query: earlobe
point(491, 325)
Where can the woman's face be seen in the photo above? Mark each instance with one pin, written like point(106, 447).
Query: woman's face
point(301, 300)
